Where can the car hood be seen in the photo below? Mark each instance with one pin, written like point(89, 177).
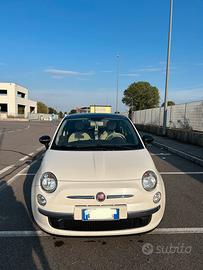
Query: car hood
point(97, 165)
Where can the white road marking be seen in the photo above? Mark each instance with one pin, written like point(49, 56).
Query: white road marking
point(7, 183)
point(171, 173)
point(27, 174)
point(40, 148)
point(162, 173)
point(176, 230)
point(31, 154)
point(6, 169)
point(22, 233)
point(11, 131)
point(178, 151)
point(166, 231)
point(12, 179)
point(23, 158)
point(161, 154)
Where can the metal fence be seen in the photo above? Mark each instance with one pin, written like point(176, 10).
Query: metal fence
point(187, 115)
point(42, 117)
point(30, 116)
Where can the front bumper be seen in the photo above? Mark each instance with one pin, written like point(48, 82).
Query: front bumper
point(66, 223)
point(136, 222)
point(142, 213)
point(68, 216)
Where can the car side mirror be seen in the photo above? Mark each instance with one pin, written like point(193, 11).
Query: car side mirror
point(147, 139)
point(45, 140)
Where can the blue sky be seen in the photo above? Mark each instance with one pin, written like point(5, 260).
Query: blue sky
point(65, 51)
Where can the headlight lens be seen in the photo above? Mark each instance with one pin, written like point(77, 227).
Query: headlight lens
point(48, 182)
point(149, 180)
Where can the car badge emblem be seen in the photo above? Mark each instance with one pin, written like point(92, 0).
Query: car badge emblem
point(100, 197)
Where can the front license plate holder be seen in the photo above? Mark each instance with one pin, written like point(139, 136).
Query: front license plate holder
point(100, 213)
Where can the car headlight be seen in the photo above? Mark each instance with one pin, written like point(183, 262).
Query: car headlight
point(149, 180)
point(48, 182)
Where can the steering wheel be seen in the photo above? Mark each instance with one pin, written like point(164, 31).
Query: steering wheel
point(116, 138)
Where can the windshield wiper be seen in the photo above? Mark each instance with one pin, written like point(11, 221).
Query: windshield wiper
point(96, 147)
point(77, 147)
point(121, 146)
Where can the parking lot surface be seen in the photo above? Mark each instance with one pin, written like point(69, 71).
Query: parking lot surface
point(177, 243)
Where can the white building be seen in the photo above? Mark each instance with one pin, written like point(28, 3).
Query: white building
point(14, 101)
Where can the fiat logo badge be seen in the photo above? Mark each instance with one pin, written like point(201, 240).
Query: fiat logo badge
point(100, 197)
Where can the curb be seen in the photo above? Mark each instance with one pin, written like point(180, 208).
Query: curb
point(187, 156)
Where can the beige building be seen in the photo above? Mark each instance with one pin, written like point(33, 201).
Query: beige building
point(100, 108)
point(14, 101)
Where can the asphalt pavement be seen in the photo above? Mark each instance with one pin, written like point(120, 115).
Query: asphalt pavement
point(177, 243)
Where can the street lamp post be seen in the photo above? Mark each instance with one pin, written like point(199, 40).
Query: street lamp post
point(167, 68)
point(117, 82)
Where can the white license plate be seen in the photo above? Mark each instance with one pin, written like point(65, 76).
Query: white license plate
point(100, 213)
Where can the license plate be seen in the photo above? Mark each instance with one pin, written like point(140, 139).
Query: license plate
point(100, 213)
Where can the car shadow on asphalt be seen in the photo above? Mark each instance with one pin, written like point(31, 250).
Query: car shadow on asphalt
point(17, 166)
point(18, 253)
point(27, 186)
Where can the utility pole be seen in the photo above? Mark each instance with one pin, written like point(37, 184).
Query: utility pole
point(117, 82)
point(167, 68)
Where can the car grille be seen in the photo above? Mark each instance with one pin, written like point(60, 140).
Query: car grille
point(78, 225)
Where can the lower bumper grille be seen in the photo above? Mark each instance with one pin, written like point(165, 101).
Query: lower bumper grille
point(76, 225)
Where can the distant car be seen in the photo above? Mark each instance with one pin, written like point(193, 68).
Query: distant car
point(97, 178)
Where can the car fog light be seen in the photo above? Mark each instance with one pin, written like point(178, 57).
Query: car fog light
point(41, 199)
point(157, 197)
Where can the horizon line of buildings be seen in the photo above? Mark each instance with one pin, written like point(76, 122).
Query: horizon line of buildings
point(15, 102)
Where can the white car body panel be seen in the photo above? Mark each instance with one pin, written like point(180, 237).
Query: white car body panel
point(85, 173)
point(97, 165)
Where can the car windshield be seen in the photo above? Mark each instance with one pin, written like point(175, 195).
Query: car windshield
point(96, 133)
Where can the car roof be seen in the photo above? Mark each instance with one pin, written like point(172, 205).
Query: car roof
point(95, 115)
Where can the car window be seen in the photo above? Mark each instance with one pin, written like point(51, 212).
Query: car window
point(99, 133)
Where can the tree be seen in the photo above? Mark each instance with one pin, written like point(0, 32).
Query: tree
point(169, 103)
point(52, 110)
point(141, 96)
point(72, 111)
point(60, 114)
point(41, 107)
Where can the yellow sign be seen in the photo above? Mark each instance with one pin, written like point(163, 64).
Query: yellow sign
point(100, 109)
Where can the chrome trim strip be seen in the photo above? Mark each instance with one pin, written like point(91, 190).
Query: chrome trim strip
point(85, 197)
point(123, 196)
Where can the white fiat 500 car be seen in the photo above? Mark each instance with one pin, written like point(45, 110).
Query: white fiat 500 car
point(97, 178)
